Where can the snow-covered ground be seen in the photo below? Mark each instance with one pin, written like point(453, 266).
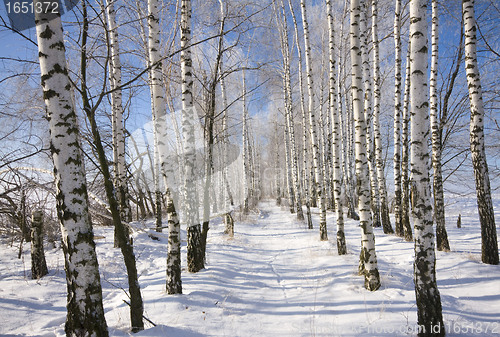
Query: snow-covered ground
point(274, 278)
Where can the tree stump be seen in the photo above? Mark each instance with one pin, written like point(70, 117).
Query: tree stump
point(38, 263)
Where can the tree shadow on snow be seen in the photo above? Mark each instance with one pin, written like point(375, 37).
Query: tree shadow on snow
point(163, 330)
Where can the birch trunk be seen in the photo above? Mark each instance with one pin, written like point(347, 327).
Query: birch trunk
point(305, 173)
point(405, 199)
point(368, 115)
point(350, 167)
point(210, 136)
point(38, 263)
point(245, 153)
point(157, 108)
point(277, 168)
point(346, 128)
point(173, 283)
point(384, 208)
point(312, 125)
point(195, 259)
point(141, 203)
point(439, 216)
point(289, 116)
point(115, 76)
point(345, 143)
point(121, 228)
point(489, 243)
point(118, 140)
point(227, 199)
point(397, 121)
point(368, 261)
point(323, 130)
point(85, 316)
point(152, 53)
point(288, 167)
point(429, 310)
point(157, 104)
point(334, 116)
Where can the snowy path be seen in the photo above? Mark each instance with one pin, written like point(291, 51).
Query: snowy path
point(274, 274)
point(275, 278)
point(265, 281)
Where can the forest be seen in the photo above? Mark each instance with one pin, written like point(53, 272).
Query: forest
point(249, 167)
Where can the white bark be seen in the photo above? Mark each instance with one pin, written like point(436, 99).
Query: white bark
point(288, 167)
point(305, 173)
point(368, 111)
point(368, 262)
point(173, 284)
point(227, 196)
point(157, 99)
point(312, 124)
point(323, 130)
point(277, 168)
point(439, 215)
point(85, 311)
point(384, 208)
point(426, 291)
point(489, 246)
point(189, 118)
point(245, 150)
point(397, 120)
point(115, 81)
point(334, 116)
point(287, 90)
point(405, 155)
point(346, 125)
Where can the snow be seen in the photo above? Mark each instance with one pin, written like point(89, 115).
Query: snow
point(275, 278)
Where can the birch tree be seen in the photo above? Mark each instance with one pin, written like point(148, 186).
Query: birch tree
point(384, 208)
point(288, 165)
point(157, 102)
point(115, 81)
point(227, 197)
point(398, 224)
point(312, 124)
point(368, 260)
point(85, 316)
point(209, 129)
point(323, 130)
point(346, 124)
point(429, 310)
point(277, 168)
point(405, 154)
point(287, 94)
point(173, 283)
point(245, 158)
point(195, 260)
point(118, 140)
point(305, 173)
point(489, 243)
point(368, 115)
point(121, 229)
point(334, 115)
point(438, 193)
